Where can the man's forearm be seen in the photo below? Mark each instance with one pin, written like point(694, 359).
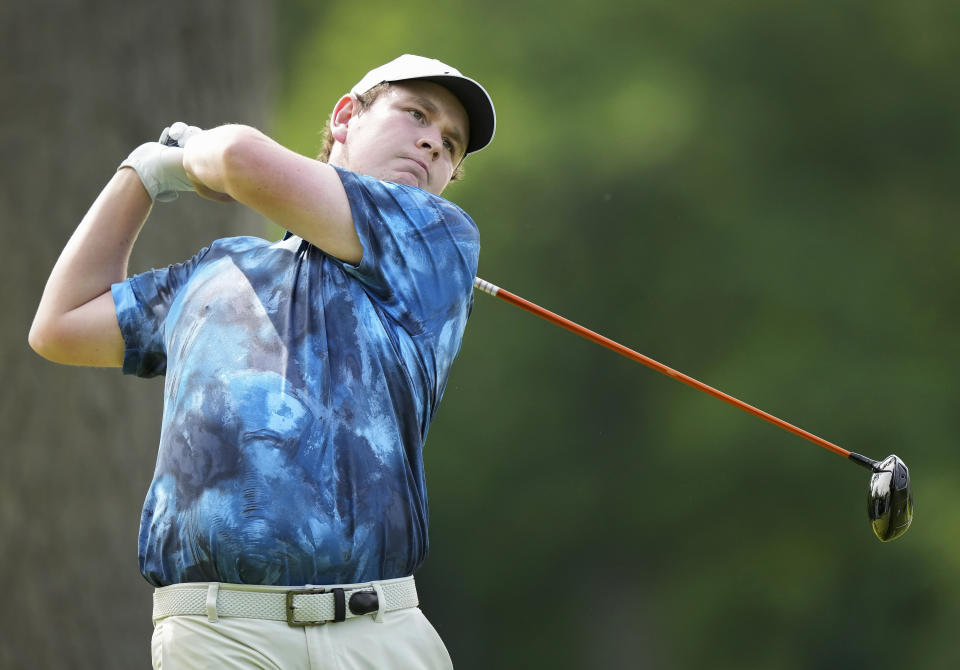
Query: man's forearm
point(95, 257)
point(97, 253)
point(300, 194)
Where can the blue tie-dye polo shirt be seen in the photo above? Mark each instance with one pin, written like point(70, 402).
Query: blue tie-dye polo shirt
point(298, 394)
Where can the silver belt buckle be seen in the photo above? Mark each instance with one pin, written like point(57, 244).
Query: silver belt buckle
point(291, 610)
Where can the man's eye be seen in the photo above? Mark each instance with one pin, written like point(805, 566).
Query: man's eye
point(417, 114)
point(448, 145)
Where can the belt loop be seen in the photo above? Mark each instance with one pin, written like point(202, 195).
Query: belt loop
point(381, 602)
point(339, 605)
point(213, 588)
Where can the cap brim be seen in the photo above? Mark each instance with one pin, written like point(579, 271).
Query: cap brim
point(478, 105)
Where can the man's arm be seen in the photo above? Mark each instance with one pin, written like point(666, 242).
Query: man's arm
point(301, 194)
point(76, 321)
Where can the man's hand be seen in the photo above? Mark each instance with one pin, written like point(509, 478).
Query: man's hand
point(160, 168)
point(160, 164)
point(178, 134)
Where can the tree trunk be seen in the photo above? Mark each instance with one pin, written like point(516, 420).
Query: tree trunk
point(83, 84)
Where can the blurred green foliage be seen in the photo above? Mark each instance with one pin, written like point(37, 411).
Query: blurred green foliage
point(760, 194)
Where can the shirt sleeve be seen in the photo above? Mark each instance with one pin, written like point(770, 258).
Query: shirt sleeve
point(420, 252)
point(142, 303)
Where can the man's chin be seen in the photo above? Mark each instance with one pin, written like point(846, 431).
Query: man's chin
point(404, 178)
point(409, 179)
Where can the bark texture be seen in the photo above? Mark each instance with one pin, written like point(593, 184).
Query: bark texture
point(83, 84)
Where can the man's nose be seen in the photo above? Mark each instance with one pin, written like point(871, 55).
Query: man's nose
point(432, 142)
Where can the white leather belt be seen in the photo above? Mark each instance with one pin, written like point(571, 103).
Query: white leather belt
point(298, 606)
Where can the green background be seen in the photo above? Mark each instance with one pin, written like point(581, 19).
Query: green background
point(759, 194)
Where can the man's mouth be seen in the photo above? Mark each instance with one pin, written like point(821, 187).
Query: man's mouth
point(423, 166)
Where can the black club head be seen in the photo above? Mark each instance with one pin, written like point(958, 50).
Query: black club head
point(890, 500)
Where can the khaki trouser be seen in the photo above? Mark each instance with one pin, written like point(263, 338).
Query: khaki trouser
point(403, 639)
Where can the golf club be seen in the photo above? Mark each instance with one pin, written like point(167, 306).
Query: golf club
point(890, 498)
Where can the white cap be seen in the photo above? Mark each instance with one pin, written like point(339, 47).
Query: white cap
point(475, 100)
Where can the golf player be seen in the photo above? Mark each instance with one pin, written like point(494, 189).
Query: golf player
point(288, 511)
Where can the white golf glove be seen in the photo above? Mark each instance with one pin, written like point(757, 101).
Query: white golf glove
point(160, 164)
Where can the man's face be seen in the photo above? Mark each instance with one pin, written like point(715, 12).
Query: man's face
point(414, 133)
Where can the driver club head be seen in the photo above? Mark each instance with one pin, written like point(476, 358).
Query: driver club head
point(890, 500)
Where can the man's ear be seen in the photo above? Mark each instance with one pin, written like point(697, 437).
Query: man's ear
point(345, 110)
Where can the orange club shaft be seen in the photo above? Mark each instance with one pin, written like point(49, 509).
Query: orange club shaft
point(507, 296)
